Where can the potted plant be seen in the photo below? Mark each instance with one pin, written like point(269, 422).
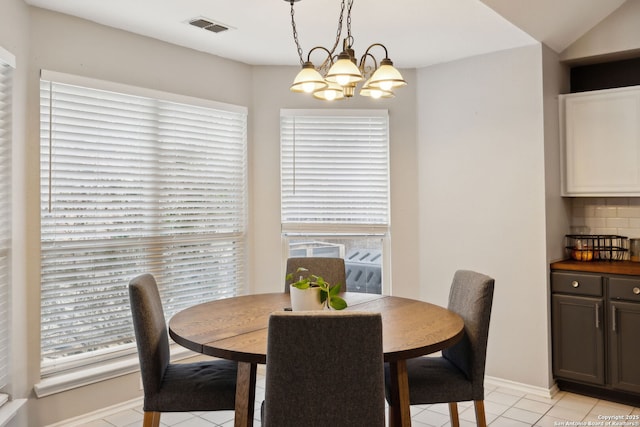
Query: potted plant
point(328, 294)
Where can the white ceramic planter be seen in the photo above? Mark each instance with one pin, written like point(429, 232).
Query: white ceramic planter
point(305, 299)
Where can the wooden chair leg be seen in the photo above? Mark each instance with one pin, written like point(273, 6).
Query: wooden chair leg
point(481, 418)
point(453, 413)
point(151, 419)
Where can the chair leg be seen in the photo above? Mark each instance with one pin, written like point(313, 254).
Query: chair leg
point(151, 419)
point(481, 418)
point(453, 412)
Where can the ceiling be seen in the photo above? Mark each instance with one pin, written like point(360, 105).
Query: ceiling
point(417, 33)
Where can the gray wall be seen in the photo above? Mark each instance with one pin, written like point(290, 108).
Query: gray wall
point(482, 197)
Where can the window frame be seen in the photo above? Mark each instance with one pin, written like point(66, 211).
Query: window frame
point(329, 230)
point(108, 364)
point(7, 62)
point(9, 406)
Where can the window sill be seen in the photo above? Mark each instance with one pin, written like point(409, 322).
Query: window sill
point(104, 371)
point(9, 410)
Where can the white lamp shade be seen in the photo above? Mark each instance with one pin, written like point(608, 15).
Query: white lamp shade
point(344, 72)
point(333, 92)
point(374, 92)
point(308, 80)
point(386, 77)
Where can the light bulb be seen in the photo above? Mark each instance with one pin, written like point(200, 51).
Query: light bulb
point(386, 85)
point(342, 80)
point(308, 87)
point(376, 94)
point(330, 95)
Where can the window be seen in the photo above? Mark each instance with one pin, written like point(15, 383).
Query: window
point(335, 190)
point(6, 75)
point(132, 184)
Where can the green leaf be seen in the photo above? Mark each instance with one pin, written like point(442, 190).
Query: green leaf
point(302, 284)
point(334, 290)
point(323, 296)
point(338, 303)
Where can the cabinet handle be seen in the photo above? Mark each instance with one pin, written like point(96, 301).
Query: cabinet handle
point(597, 316)
point(613, 320)
point(636, 290)
point(575, 283)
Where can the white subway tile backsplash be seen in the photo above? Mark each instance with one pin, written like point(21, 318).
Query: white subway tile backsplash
point(595, 223)
point(606, 212)
point(629, 211)
point(612, 215)
point(584, 211)
point(578, 223)
point(617, 222)
point(632, 233)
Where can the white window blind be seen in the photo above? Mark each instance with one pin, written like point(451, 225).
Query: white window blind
point(6, 74)
point(335, 191)
point(133, 184)
point(335, 168)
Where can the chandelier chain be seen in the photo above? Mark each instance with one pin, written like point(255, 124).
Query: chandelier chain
point(338, 32)
point(295, 34)
point(338, 37)
point(349, 20)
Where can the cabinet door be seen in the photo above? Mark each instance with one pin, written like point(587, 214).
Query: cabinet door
point(602, 143)
point(624, 345)
point(578, 338)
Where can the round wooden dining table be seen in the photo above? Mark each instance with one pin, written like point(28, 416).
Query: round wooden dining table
point(236, 329)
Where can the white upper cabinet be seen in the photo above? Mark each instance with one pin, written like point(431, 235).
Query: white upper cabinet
point(600, 133)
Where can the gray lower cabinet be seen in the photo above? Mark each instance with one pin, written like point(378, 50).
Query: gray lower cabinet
point(578, 332)
point(624, 341)
point(596, 330)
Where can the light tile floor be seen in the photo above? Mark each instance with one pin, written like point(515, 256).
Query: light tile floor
point(504, 408)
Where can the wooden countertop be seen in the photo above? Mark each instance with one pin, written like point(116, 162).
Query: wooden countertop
point(605, 267)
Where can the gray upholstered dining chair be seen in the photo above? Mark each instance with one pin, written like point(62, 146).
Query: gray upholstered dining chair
point(173, 387)
point(457, 375)
point(330, 269)
point(324, 368)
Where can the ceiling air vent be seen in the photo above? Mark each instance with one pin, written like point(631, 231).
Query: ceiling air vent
point(208, 25)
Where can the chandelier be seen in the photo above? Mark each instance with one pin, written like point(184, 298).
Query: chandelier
point(338, 75)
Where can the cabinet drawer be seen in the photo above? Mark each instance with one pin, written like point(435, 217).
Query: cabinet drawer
point(624, 289)
point(576, 284)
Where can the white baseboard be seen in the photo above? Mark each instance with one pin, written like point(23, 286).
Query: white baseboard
point(137, 403)
point(99, 414)
point(525, 388)
point(9, 409)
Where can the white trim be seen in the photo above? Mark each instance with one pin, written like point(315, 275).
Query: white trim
point(341, 112)
point(7, 57)
point(75, 80)
point(9, 410)
point(64, 382)
point(84, 419)
point(331, 229)
point(105, 371)
point(525, 388)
